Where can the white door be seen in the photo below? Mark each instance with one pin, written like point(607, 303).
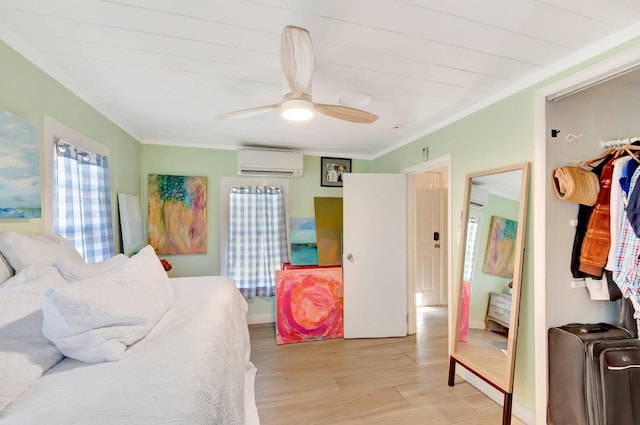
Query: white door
point(428, 236)
point(374, 256)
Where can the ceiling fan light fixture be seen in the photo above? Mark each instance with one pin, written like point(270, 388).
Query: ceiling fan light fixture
point(297, 110)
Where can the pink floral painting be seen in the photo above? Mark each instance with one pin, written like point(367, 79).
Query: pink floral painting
point(308, 304)
point(178, 214)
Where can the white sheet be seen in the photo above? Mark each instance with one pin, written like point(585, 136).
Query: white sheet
point(25, 354)
point(192, 368)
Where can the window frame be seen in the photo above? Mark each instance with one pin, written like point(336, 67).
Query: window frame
point(53, 129)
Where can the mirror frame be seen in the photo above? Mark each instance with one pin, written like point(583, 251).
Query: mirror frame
point(504, 385)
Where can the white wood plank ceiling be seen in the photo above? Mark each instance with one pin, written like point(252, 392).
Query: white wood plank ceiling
point(162, 69)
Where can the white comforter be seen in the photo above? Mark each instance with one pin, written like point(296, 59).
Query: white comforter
point(192, 368)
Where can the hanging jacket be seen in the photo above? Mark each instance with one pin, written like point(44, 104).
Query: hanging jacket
point(584, 214)
point(597, 239)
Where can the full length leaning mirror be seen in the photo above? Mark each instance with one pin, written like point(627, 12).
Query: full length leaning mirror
point(490, 277)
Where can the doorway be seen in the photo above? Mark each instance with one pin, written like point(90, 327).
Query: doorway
point(428, 238)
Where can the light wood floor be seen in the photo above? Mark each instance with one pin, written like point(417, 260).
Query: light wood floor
point(366, 381)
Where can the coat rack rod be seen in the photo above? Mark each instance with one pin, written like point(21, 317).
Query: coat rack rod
point(617, 143)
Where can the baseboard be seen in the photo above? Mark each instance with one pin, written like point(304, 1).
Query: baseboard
point(255, 319)
point(477, 325)
point(517, 410)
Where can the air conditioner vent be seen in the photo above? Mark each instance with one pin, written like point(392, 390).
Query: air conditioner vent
point(269, 162)
point(479, 197)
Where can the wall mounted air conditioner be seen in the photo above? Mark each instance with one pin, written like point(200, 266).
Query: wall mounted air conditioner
point(479, 197)
point(269, 162)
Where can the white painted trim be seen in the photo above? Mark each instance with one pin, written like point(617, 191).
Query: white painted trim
point(256, 319)
point(517, 410)
point(189, 144)
point(476, 325)
point(434, 164)
point(539, 242)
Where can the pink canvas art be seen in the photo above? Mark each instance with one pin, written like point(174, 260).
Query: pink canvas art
point(308, 304)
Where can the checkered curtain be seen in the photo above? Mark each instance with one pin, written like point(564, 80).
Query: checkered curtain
point(257, 244)
point(82, 201)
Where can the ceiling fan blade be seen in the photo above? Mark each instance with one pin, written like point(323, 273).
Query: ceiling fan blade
point(345, 113)
point(296, 58)
point(244, 113)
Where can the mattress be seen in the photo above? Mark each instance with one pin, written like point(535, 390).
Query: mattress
point(192, 368)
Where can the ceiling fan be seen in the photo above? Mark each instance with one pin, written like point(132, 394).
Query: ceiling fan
point(296, 59)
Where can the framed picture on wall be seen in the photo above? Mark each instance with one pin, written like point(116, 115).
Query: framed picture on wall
point(332, 169)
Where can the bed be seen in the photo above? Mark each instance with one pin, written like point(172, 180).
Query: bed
point(191, 366)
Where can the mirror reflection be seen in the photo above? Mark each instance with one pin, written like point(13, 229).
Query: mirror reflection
point(490, 273)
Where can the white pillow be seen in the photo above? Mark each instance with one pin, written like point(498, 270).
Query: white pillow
point(95, 319)
point(72, 270)
point(25, 353)
point(24, 250)
point(6, 271)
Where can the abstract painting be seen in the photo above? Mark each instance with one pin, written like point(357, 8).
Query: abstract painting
point(130, 223)
point(304, 249)
point(328, 213)
point(308, 304)
point(178, 214)
point(19, 168)
point(501, 243)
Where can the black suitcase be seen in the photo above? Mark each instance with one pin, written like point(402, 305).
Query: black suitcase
point(571, 380)
point(620, 377)
point(595, 401)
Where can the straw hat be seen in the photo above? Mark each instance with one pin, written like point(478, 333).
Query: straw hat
point(576, 184)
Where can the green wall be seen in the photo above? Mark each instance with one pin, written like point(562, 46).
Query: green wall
point(500, 134)
point(215, 164)
point(29, 93)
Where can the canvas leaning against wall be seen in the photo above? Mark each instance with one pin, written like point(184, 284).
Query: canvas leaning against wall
point(309, 304)
point(19, 168)
point(178, 214)
point(130, 223)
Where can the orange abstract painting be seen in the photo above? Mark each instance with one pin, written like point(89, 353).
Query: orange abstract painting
point(308, 304)
point(178, 214)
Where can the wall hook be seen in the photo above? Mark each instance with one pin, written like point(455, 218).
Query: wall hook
point(571, 137)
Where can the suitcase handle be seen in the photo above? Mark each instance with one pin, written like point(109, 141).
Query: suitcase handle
point(593, 329)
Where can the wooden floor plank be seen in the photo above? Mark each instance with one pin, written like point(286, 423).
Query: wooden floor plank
point(366, 381)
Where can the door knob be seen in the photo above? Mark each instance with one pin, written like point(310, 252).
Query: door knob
point(350, 257)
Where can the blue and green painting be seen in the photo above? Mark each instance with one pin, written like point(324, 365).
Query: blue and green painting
point(304, 249)
point(19, 168)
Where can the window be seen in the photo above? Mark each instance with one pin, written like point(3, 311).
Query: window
point(253, 232)
point(78, 191)
point(470, 249)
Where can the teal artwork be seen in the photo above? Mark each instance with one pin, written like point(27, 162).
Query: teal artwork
point(304, 249)
point(19, 168)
